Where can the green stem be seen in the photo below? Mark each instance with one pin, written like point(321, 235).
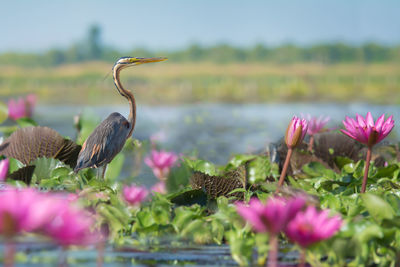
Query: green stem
point(302, 258)
point(284, 169)
point(311, 143)
point(273, 251)
point(365, 178)
point(100, 253)
point(9, 253)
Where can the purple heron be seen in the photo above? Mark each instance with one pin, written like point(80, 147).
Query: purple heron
point(109, 137)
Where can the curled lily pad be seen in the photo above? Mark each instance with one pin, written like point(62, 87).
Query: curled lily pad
point(30, 143)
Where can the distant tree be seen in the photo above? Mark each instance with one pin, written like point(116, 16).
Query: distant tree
point(95, 49)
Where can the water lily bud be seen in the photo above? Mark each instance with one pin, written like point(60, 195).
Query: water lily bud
point(295, 132)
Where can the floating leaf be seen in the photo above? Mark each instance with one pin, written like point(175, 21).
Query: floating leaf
point(216, 186)
point(377, 207)
point(30, 143)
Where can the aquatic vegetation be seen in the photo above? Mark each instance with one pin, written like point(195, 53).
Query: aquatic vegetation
point(368, 132)
point(201, 204)
point(22, 107)
point(295, 134)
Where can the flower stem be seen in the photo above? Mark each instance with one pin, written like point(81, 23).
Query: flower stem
point(100, 253)
point(273, 251)
point(9, 253)
point(302, 258)
point(284, 169)
point(311, 143)
point(367, 162)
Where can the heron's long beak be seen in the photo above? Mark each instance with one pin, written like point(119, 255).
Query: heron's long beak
point(139, 60)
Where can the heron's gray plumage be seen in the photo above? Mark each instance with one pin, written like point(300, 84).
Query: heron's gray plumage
point(106, 141)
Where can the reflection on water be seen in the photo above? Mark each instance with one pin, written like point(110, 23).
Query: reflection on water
point(215, 131)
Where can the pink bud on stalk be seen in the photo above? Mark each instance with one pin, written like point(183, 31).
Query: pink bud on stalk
point(134, 195)
point(4, 165)
point(365, 131)
point(21, 108)
point(295, 133)
point(161, 162)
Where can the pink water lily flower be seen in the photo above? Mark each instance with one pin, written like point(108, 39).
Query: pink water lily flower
point(296, 132)
point(161, 162)
point(311, 226)
point(25, 210)
point(4, 165)
point(134, 195)
point(273, 216)
point(21, 107)
point(366, 131)
point(316, 124)
point(159, 187)
point(71, 226)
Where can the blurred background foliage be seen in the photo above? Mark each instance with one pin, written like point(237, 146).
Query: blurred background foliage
point(334, 72)
point(92, 48)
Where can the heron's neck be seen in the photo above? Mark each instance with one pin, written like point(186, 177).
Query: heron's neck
point(131, 99)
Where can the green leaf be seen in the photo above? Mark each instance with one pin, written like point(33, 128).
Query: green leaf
point(26, 122)
point(114, 168)
point(369, 232)
point(238, 160)
point(45, 167)
point(342, 161)
point(14, 165)
point(3, 112)
point(378, 208)
point(202, 166)
point(258, 170)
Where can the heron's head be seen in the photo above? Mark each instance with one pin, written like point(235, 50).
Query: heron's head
point(125, 62)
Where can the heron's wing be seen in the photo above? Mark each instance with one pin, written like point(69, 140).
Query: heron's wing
point(105, 142)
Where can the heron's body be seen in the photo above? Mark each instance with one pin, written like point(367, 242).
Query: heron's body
point(106, 141)
point(109, 137)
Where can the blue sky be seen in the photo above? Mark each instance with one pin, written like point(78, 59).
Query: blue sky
point(170, 24)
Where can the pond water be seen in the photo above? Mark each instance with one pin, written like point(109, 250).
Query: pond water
point(215, 131)
point(47, 254)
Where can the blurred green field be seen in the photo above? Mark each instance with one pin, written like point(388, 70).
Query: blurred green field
point(171, 83)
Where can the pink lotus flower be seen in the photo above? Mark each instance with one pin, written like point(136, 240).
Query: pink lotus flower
point(366, 131)
point(311, 226)
point(159, 188)
point(316, 125)
point(271, 217)
point(135, 195)
point(71, 226)
point(161, 162)
point(369, 133)
point(21, 108)
point(25, 210)
point(295, 132)
point(4, 164)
